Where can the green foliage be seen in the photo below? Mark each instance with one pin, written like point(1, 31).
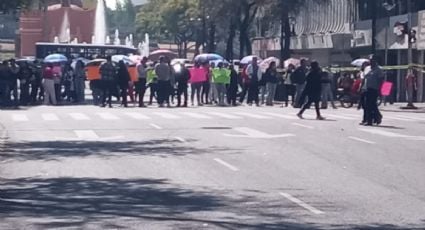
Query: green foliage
point(122, 18)
point(10, 6)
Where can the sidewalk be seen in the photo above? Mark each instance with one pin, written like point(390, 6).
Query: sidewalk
point(398, 107)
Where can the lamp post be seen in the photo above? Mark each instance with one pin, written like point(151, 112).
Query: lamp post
point(388, 8)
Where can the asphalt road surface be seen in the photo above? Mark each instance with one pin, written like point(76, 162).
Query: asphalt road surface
point(84, 167)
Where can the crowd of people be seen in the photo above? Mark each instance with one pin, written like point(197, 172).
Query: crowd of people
point(210, 83)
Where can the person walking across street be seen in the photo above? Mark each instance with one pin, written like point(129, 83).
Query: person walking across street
point(14, 76)
point(163, 72)
point(372, 83)
point(221, 77)
point(299, 79)
point(123, 82)
point(142, 73)
point(108, 73)
point(244, 84)
point(49, 85)
point(313, 90)
point(255, 75)
point(232, 88)
point(271, 80)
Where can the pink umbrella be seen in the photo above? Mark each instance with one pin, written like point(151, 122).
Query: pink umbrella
point(154, 56)
point(292, 61)
point(266, 62)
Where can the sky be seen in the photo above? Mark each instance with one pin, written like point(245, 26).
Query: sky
point(112, 3)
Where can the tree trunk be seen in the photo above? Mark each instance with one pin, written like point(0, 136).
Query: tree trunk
point(185, 49)
point(211, 38)
point(241, 44)
point(230, 39)
point(248, 45)
point(286, 32)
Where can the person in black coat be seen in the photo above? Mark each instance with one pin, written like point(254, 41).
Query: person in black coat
point(232, 88)
point(182, 79)
point(313, 90)
point(123, 81)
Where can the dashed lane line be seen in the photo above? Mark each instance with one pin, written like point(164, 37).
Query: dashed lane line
point(302, 203)
point(225, 164)
point(361, 140)
point(303, 126)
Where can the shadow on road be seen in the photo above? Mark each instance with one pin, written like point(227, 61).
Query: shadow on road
point(54, 150)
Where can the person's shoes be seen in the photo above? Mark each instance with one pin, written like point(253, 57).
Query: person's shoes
point(363, 123)
point(200, 104)
point(320, 118)
point(184, 106)
point(110, 106)
point(103, 106)
point(300, 116)
point(368, 124)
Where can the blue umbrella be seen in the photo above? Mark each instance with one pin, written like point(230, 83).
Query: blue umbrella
point(208, 57)
point(117, 58)
point(55, 58)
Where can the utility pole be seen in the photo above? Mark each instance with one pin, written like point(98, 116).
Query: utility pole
point(410, 78)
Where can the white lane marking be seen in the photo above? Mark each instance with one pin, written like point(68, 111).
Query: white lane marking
point(19, 117)
point(166, 115)
point(224, 115)
point(86, 134)
point(394, 135)
point(137, 116)
point(196, 115)
point(49, 117)
point(225, 164)
point(252, 133)
point(411, 118)
point(341, 117)
point(79, 116)
point(280, 115)
point(256, 116)
point(303, 126)
point(108, 116)
point(396, 118)
point(361, 140)
point(301, 203)
point(180, 139)
point(383, 133)
point(156, 126)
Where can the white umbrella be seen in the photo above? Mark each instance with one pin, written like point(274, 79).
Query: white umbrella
point(248, 59)
point(359, 62)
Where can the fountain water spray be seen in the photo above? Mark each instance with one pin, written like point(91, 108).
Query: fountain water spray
point(100, 23)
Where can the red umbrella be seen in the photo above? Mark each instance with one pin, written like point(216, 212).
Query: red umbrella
point(154, 56)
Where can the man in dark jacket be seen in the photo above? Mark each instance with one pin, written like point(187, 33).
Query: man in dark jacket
point(123, 81)
point(313, 90)
point(298, 77)
point(182, 80)
point(232, 88)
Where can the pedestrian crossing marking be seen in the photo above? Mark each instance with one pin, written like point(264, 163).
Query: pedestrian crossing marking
point(138, 116)
point(79, 116)
point(86, 134)
point(256, 116)
point(224, 115)
point(50, 117)
point(108, 116)
point(341, 117)
point(19, 117)
point(196, 115)
point(285, 116)
point(166, 115)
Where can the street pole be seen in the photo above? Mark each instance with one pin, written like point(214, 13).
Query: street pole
point(409, 82)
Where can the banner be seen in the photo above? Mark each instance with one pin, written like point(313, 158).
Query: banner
point(420, 42)
point(198, 75)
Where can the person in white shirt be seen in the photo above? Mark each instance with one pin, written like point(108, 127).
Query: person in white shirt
point(254, 75)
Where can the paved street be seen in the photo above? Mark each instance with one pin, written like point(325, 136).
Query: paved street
point(84, 167)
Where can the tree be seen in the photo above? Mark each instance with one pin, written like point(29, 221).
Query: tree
point(169, 20)
point(8, 6)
